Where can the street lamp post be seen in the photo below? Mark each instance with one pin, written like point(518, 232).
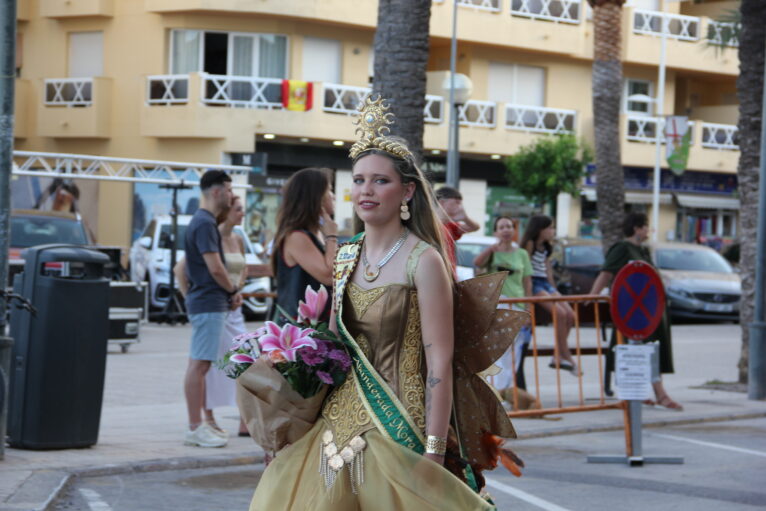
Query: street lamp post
point(459, 87)
point(659, 132)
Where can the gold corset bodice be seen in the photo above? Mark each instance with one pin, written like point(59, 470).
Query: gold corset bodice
point(385, 323)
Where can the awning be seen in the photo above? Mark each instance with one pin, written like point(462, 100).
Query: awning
point(631, 197)
point(706, 201)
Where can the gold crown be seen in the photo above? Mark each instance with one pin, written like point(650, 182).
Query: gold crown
point(372, 121)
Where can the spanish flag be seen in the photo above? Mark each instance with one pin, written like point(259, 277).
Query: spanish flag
point(296, 95)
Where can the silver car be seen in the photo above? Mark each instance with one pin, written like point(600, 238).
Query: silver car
point(699, 282)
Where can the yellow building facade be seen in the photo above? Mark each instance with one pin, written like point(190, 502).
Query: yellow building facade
point(200, 81)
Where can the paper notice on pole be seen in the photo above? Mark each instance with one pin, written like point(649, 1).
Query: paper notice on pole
point(633, 375)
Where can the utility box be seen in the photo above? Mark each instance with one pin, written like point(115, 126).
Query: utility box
point(59, 355)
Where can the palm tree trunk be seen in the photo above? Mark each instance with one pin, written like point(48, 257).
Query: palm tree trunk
point(401, 56)
point(607, 89)
point(752, 39)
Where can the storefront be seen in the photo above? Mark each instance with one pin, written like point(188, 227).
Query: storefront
point(695, 207)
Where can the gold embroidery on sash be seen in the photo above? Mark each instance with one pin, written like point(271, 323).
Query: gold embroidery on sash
point(345, 412)
point(412, 388)
point(361, 298)
point(364, 344)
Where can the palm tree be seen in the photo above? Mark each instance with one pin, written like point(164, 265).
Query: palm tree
point(752, 37)
point(401, 56)
point(607, 87)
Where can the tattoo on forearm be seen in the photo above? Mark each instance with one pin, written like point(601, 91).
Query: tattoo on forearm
point(428, 345)
point(432, 380)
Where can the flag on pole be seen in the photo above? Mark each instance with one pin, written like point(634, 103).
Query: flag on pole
point(678, 138)
point(297, 95)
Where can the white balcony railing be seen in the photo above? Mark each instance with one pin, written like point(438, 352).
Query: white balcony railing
point(344, 99)
point(167, 89)
point(484, 5)
point(69, 92)
point(242, 91)
point(539, 119)
point(718, 30)
point(719, 136)
point(684, 28)
point(478, 113)
point(643, 128)
point(434, 111)
point(563, 11)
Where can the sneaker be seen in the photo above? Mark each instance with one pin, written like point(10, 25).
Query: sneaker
point(217, 430)
point(203, 436)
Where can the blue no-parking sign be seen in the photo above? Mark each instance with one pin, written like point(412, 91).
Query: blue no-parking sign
point(638, 300)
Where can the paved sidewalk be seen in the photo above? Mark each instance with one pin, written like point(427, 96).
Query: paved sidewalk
point(143, 417)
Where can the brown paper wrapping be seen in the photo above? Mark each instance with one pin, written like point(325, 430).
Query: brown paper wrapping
point(275, 414)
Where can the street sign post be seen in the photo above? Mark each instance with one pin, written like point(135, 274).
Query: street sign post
point(637, 307)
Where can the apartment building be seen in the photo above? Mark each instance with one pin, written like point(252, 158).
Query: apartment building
point(200, 81)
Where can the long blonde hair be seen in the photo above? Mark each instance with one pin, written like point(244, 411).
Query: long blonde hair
point(424, 221)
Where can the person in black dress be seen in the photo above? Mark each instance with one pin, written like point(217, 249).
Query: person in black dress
point(636, 230)
point(306, 240)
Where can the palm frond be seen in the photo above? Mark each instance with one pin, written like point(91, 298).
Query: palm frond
point(723, 33)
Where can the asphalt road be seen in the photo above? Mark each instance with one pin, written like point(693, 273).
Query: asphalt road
point(724, 469)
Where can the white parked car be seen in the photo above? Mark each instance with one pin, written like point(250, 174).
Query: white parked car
point(150, 262)
point(466, 250)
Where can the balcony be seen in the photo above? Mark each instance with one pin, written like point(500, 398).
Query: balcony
point(21, 100)
point(235, 108)
point(713, 146)
point(76, 8)
point(76, 108)
point(346, 11)
point(687, 38)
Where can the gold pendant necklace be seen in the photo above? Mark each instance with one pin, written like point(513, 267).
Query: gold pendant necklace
point(370, 273)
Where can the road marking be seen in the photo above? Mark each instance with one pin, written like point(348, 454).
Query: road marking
point(527, 497)
point(94, 500)
point(711, 444)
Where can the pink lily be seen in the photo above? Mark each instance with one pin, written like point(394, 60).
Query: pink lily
point(314, 305)
point(286, 341)
point(241, 339)
point(241, 358)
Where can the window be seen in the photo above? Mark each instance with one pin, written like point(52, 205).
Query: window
point(638, 106)
point(321, 60)
point(516, 84)
point(86, 54)
point(228, 53)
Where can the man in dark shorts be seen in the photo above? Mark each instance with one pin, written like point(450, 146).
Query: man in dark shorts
point(456, 221)
point(211, 294)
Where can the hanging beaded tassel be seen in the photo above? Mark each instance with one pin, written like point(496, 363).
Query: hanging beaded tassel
point(331, 462)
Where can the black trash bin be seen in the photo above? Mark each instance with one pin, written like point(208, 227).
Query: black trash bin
point(59, 355)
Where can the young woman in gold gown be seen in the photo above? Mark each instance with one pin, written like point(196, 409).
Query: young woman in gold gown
point(379, 442)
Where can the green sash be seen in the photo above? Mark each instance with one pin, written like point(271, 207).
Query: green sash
point(380, 401)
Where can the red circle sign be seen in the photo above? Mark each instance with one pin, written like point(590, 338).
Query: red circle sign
point(638, 300)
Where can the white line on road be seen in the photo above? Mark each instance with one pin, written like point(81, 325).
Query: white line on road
point(527, 497)
point(94, 500)
point(711, 444)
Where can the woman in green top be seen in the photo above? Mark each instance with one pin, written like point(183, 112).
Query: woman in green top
point(636, 230)
point(505, 255)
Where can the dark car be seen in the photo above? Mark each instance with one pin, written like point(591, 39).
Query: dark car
point(31, 227)
point(576, 263)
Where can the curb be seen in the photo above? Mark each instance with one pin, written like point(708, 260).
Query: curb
point(656, 423)
point(59, 481)
point(52, 484)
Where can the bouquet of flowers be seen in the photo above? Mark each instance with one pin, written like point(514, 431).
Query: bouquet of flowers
point(283, 373)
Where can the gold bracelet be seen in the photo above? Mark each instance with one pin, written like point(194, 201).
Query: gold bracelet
point(436, 445)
